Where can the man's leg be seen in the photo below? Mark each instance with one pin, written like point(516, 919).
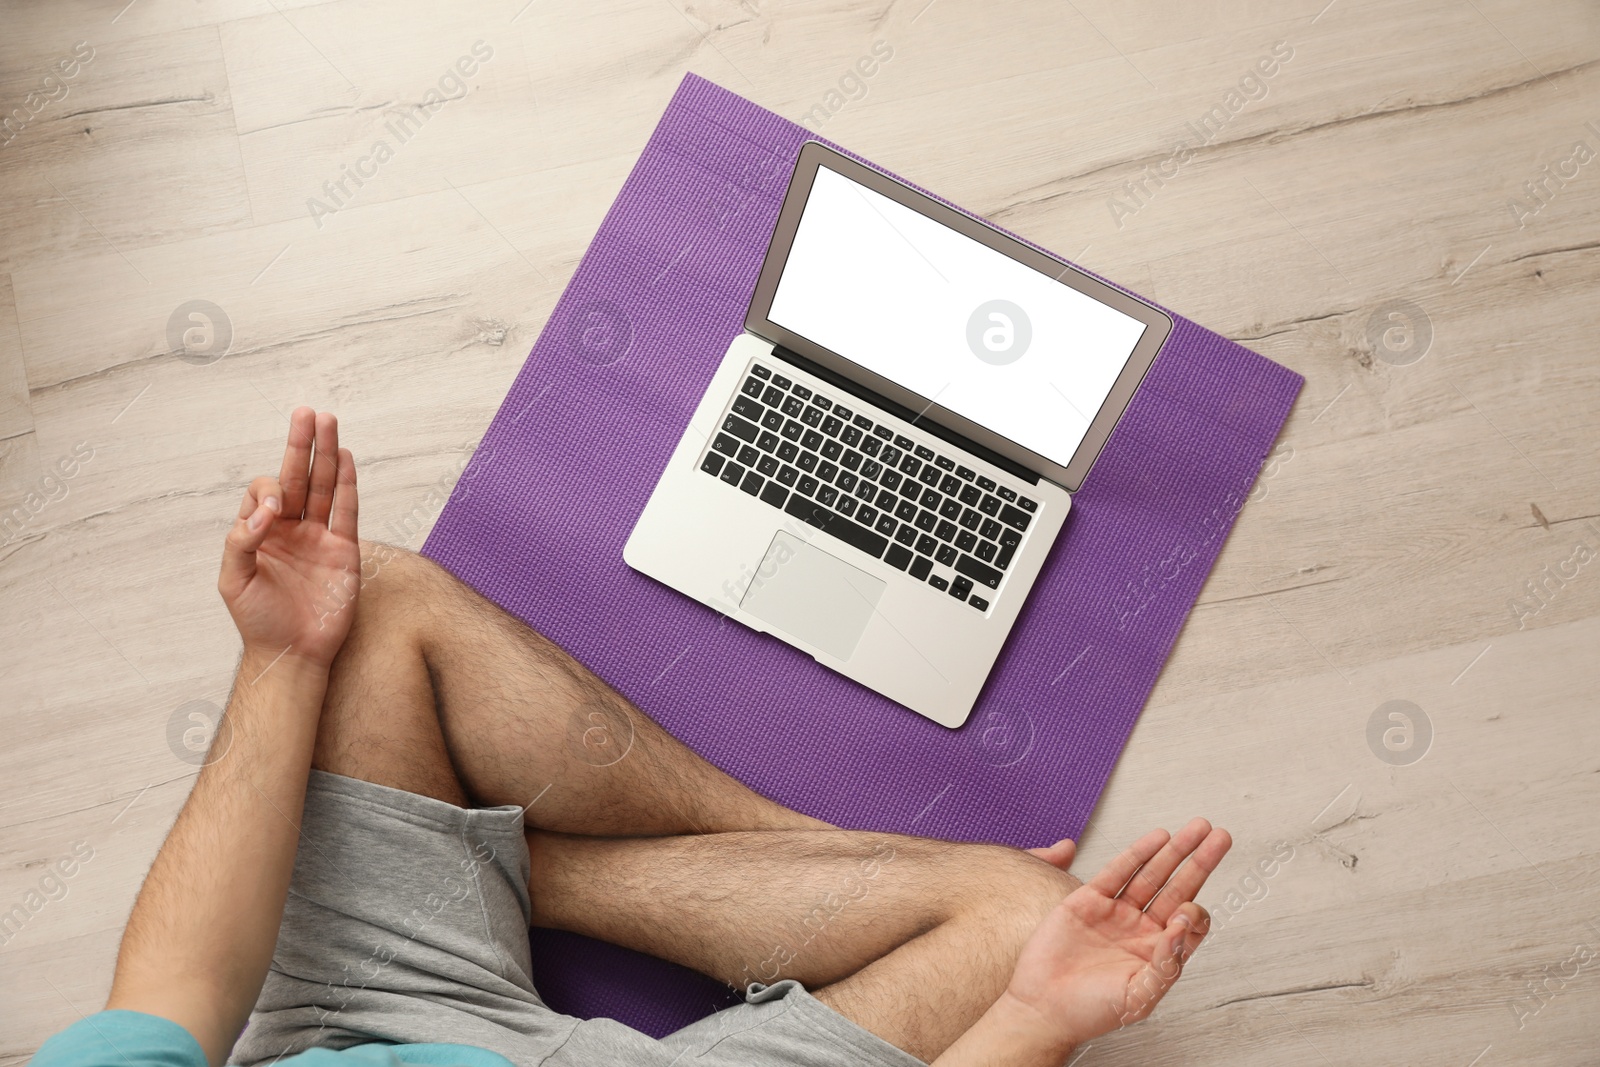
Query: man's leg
point(439, 692)
point(909, 938)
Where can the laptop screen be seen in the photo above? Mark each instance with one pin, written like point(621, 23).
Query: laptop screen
point(949, 318)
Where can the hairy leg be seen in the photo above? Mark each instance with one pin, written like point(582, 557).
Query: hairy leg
point(439, 692)
point(912, 939)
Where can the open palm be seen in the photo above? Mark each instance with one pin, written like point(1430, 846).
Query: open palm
point(1113, 947)
point(292, 563)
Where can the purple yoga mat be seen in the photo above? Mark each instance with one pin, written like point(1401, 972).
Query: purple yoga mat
point(538, 520)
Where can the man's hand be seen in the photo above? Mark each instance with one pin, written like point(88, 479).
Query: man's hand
point(292, 564)
point(1105, 956)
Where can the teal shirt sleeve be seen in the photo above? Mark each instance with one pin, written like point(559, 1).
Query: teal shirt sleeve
point(134, 1039)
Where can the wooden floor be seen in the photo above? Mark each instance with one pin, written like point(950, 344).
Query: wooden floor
point(1406, 211)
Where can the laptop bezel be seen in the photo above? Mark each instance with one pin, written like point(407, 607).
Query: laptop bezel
point(1158, 325)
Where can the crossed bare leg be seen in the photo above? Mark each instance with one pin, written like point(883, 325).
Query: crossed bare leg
point(440, 693)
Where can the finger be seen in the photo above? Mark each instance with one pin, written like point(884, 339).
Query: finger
point(294, 473)
point(1183, 886)
point(1147, 882)
point(324, 469)
point(1114, 875)
point(1059, 855)
point(1157, 976)
point(343, 520)
point(239, 551)
point(264, 490)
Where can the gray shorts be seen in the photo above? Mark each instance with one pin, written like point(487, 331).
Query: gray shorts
point(407, 922)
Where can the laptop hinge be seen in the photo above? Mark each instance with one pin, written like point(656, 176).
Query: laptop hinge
point(861, 392)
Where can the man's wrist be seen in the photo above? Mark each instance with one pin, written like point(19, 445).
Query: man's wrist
point(257, 664)
point(1013, 1034)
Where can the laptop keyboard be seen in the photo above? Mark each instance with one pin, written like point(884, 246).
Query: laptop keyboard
point(870, 486)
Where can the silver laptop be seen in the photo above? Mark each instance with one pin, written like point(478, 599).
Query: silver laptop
point(885, 455)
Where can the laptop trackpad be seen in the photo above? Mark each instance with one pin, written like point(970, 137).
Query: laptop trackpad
point(812, 595)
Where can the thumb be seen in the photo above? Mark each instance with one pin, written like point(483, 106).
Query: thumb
point(257, 514)
point(1174, 945)
point(1059, 855)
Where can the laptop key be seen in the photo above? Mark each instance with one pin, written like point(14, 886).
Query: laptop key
point(991, 529)
point(807, 462)
point(946, 530)
point(970, 519)
point(960, 588)
point(885, 524)
point(793, 406)
point(986, 483)
point(966, 473)
point(787, 475)
point(929, 476)
point(949, 485)
point(752, 483)
point(906, 535)
point(732, 473)
point(808, 485)
point(871, 469)
point(981, 573)
point(979, 603)
point(781, 382)
point(759, 371)
point(890, 479)
point(1007, 493)
point(903, 442)
point(772, 420)
point(920, 567)
point(767, 442)
point(1011, 538)
point(950, 509)
point(862, 421)
point(871, 445)
point(944, 463)
point(938, 583)
point(850, 436)
point(814, 514)
point(812, 440)
point(1015, 517)
point(927, 545)
point(831, 426)
point(969, 495)
point(832, 449)
point(802, 392)
point(930, 500)
point(886, 500)
point(846, 481)
point(966, 540)
point(811, 416)
point(792, 430)
point(712, 464)
point(822, 402)
point(826, 471)
point(989, 505)
point(846, 506)
point(728, 446)
point(866, 514)
point(926, 521)
point(1027, 505)
point(910, 466)
point(906, 510)
point(865, 490)
point(986, 551)
point(828, 495)
point(924, 453)
point(752, 388)
point(851, 460)
point(787, 451)
point(883, 432)
point(748, 455)
point(1003, 560)
point(843, 412)
point(890, 456)
point(772, 397)
point(946, 555)
point(767, 465)
point(910, 489)
point(897, 557)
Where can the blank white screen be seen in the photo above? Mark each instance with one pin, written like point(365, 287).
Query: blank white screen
point(893, 290)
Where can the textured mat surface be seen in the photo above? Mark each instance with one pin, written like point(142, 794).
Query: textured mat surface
point(601, 402)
